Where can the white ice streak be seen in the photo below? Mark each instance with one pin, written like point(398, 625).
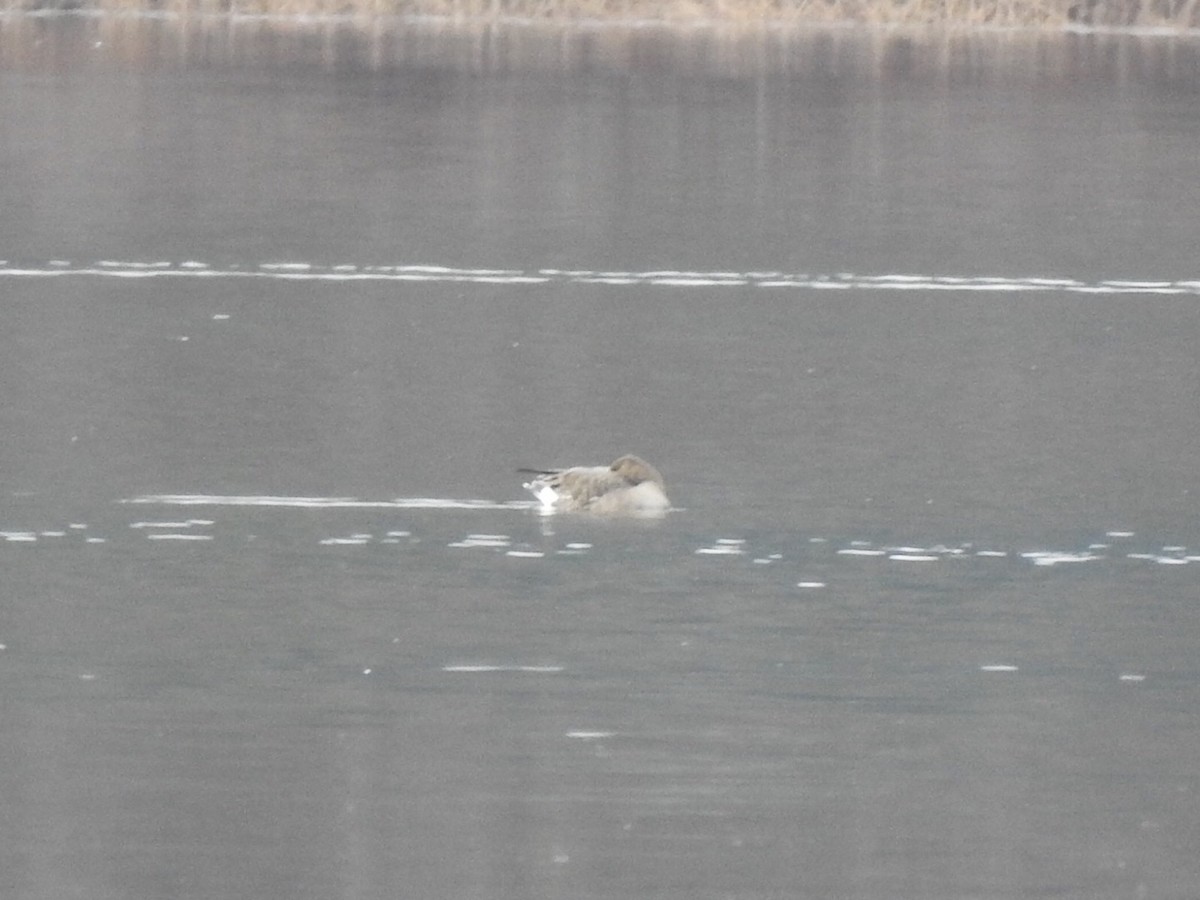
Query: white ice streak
point(494, 541)
point(724, 547)
point(1056, 557)
point(187, 524)
point(324, 502)
point(311, 271)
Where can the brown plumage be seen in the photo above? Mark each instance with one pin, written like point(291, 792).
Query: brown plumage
point(630, 486)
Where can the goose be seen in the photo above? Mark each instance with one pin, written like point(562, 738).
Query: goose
point(630, 486)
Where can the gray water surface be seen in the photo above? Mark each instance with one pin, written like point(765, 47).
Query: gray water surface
point(909, 325)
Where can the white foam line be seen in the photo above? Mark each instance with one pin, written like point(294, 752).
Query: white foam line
point(324, 502)
point(304, 271)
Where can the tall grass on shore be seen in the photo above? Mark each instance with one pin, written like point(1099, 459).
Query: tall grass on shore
point(1026, 13)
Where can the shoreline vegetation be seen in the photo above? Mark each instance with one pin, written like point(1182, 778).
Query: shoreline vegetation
point(1048, 14)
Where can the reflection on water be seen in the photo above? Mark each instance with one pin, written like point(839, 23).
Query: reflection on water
point(827, 55)
point(909, 321)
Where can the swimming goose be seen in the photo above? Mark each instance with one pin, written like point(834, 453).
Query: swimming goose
point(630, 486)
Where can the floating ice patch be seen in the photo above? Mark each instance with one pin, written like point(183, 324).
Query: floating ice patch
point(860, 551)
point(913, 557)
point(591, 735)
point(1054, 557)
point(525, 554)
point(1131, 676)
point(574, 548)
point(998, 668)
point(810, 584)
point(494, 538)
point(724, 547)
point(494, 541)
point(172, 536)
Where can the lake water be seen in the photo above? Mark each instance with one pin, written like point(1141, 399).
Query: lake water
point(908, 323)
